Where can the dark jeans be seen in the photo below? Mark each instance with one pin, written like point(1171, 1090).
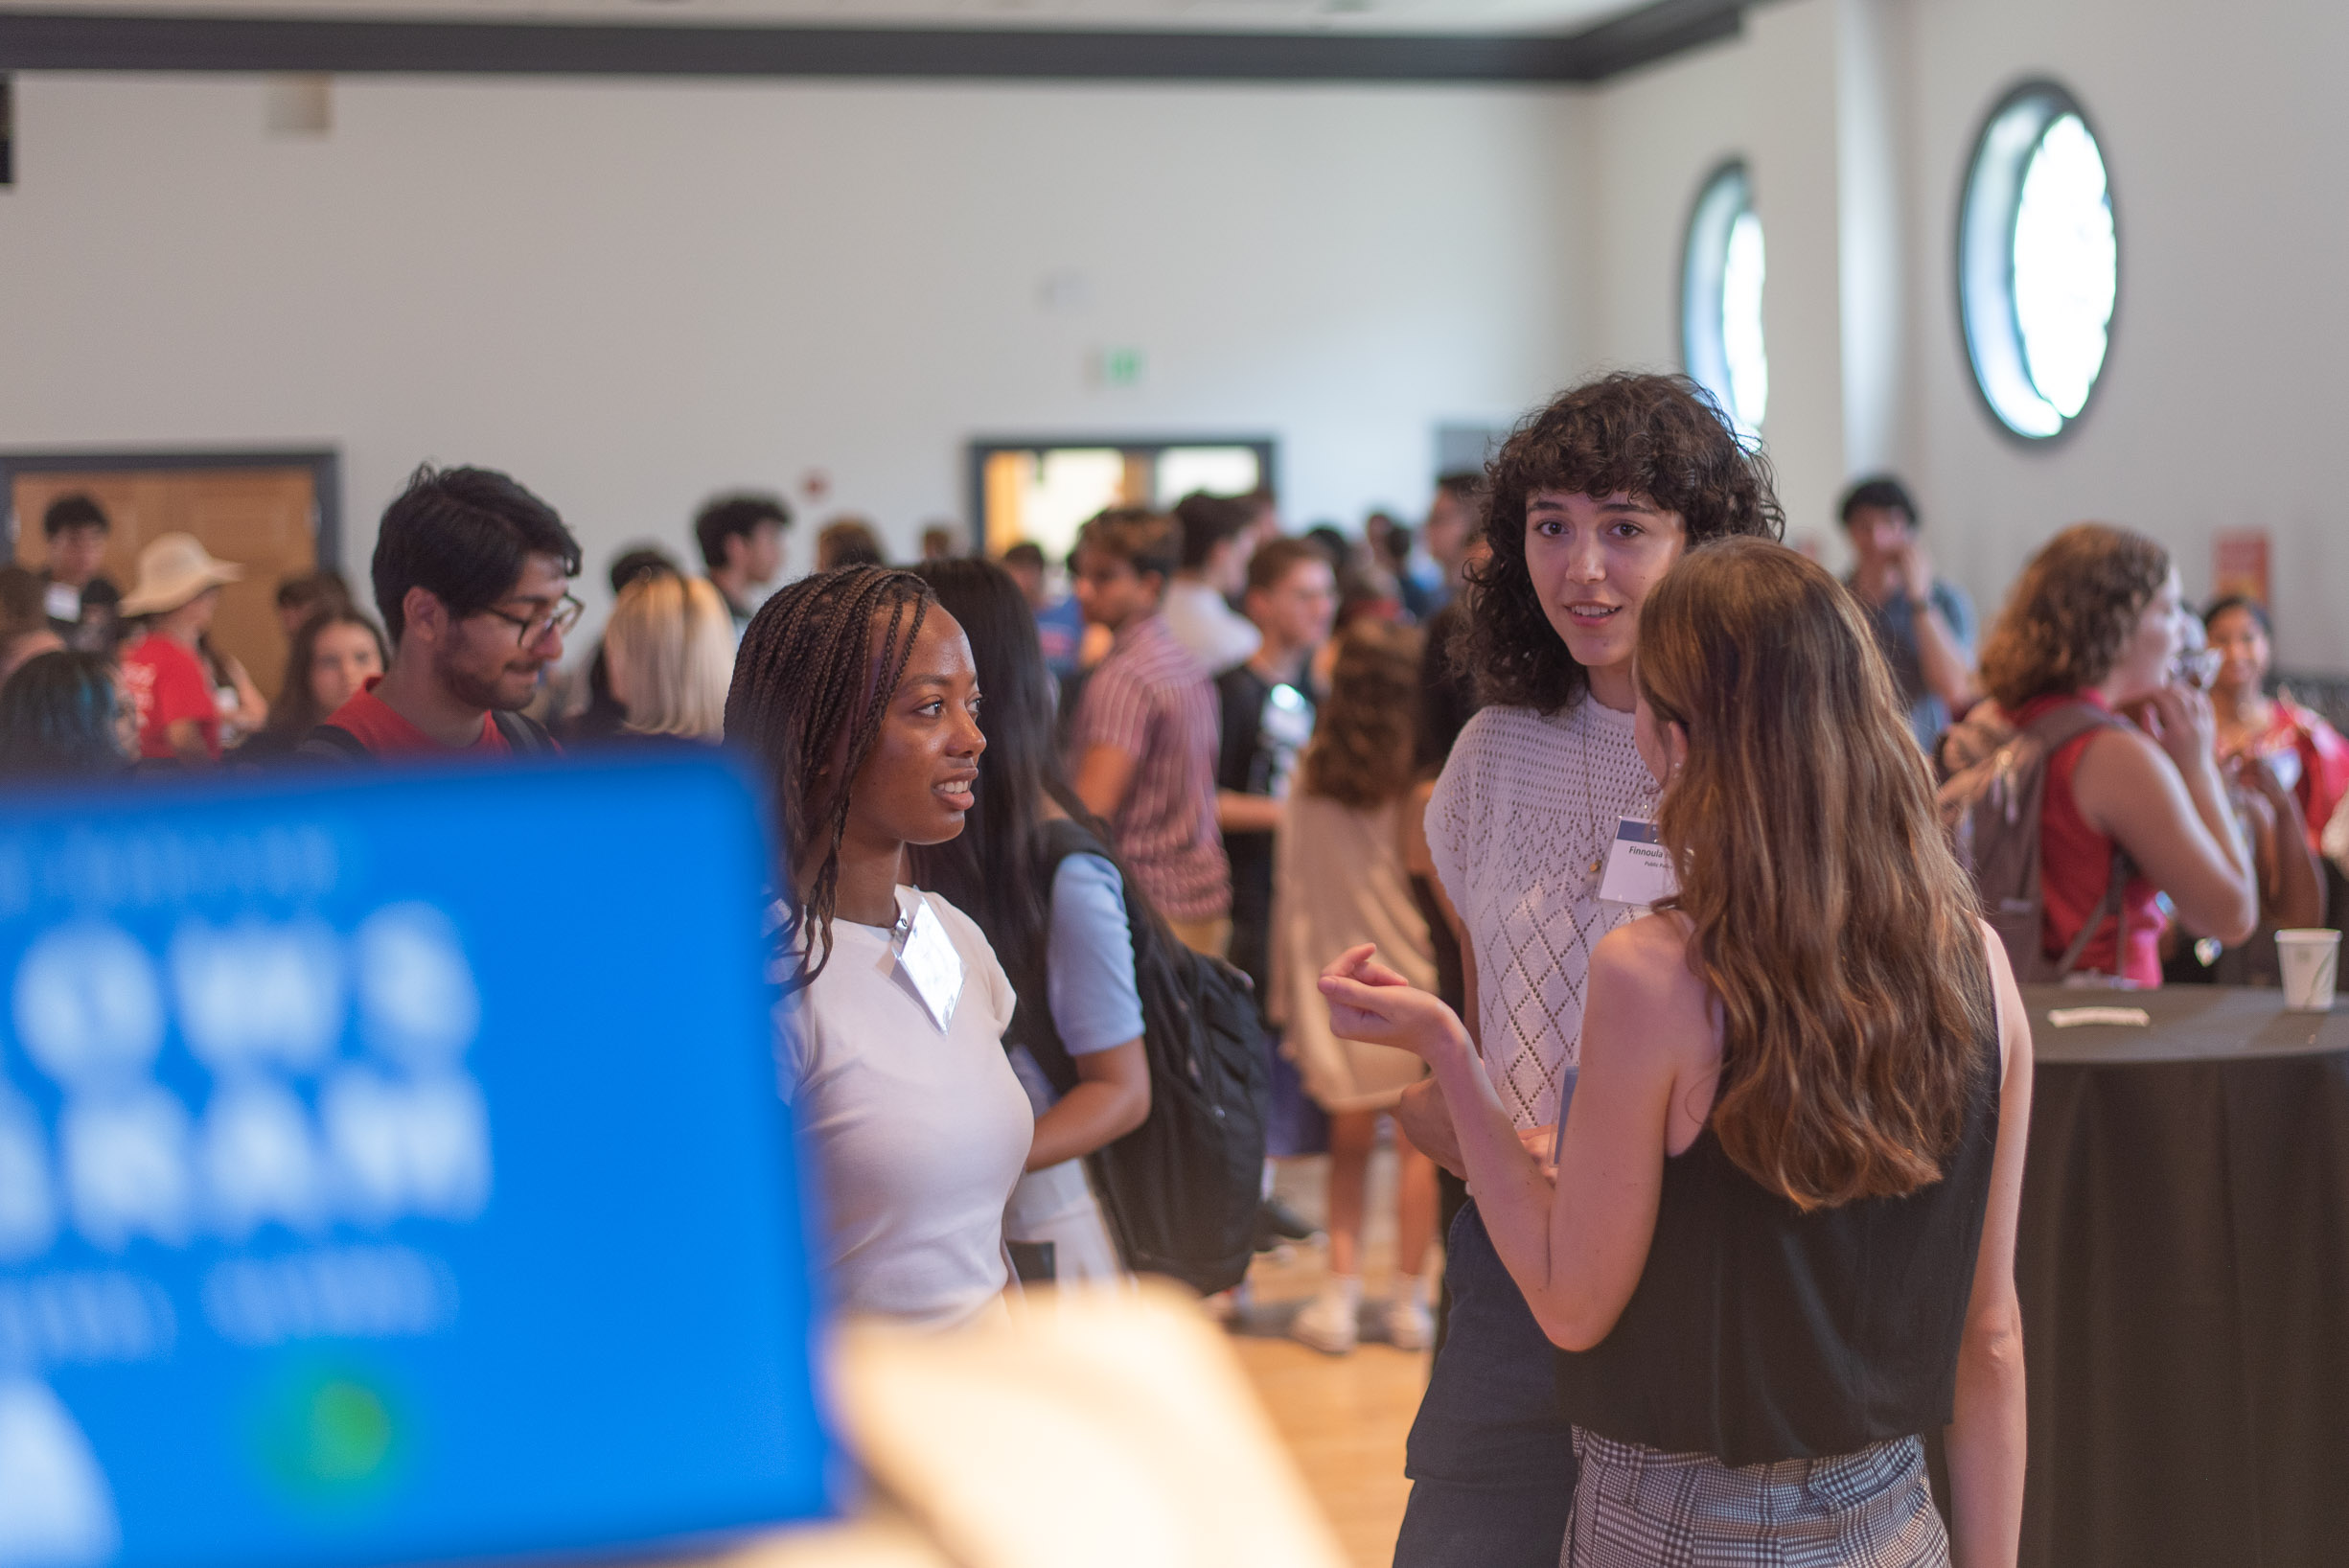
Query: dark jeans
point(1491, 1462)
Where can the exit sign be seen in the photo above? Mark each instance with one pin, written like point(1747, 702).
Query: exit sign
point(1121, 367)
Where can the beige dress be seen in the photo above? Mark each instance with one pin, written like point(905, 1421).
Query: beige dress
point(1338, 882)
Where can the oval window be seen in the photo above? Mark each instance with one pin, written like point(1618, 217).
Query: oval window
point(1720, 299)
point(2039, 261)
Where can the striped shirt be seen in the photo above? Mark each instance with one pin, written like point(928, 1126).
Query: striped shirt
point(1151, 700)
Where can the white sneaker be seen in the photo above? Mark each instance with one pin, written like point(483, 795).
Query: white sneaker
point(1410, 1326)
point(1327, 1322)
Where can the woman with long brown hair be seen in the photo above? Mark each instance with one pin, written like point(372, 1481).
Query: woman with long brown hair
point(1780, 1239)
point(1588, 505)
point(335, 654)
point(1339, 879)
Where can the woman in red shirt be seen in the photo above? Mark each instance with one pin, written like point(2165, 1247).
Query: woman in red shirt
point(2096, 618)
point(2306, 754)
point(178, 587)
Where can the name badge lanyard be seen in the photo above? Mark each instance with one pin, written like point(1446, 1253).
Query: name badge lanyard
point(926, 956)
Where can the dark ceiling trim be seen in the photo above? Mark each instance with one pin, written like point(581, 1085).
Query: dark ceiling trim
point(87, 42)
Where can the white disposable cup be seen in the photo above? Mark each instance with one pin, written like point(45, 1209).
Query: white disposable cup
point(2311, 960)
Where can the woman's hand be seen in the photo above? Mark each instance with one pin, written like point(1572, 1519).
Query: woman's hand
point(1370, 1002)
point(2181, 718)
point(2251, 773)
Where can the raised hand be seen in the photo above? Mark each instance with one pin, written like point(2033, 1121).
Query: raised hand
point(1370, 1002)
point(2181, 717)
point(1915, 568)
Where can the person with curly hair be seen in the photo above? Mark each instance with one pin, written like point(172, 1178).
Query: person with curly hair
point(2096, 620)
point(1776, 1249)
point(1588, 505)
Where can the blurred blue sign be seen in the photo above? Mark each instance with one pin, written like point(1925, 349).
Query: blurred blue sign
point(392, 1169)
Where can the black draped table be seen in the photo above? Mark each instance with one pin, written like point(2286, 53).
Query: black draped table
point(2184, 1273)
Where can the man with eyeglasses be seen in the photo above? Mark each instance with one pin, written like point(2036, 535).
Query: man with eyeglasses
point(472, 575)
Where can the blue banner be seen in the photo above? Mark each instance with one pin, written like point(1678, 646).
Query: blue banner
point(391, 1169)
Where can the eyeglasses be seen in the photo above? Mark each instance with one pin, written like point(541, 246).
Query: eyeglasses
point(530, 628)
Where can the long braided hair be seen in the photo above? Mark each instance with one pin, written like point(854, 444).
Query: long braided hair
point(814, 675)
point(989, 870)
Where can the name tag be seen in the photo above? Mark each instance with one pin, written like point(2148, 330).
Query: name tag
point(2285, 764)
point(928, 957)
point(65, 601)
point(1640, 870)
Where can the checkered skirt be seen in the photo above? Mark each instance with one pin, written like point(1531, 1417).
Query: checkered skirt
point(1637, 1507)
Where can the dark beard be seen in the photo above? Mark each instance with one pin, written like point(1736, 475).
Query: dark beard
point(469, 688)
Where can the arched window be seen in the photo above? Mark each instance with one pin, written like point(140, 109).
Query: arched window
point(2039, 261)
point(1720, 299)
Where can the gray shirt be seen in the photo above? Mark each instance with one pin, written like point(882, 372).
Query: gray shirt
point(1896, 633)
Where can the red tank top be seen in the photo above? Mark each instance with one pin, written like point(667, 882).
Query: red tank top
point(2076, 869)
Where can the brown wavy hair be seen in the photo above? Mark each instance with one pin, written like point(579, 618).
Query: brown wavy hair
point(2072, 612)
point(1658, 436)
point(1830, 918)
point(1365, 739)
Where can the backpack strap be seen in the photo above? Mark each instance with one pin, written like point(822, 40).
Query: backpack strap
point(1060, 839)
point(2066, 722)
point(525, 736)
point(332, 743)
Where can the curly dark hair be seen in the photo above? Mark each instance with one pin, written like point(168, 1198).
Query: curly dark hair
point(2072, 612)
point(1661, 437)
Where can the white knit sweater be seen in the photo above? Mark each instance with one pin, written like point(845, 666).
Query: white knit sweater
point(1526, 804)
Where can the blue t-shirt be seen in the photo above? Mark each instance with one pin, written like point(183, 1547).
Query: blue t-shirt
point(1089, 970)
point(1060, 630)
point(1896, 633)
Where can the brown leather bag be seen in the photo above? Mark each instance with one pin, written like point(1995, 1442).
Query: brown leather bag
point(1993, 787)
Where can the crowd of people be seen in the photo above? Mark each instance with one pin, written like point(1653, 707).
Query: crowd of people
point(1725, 1172)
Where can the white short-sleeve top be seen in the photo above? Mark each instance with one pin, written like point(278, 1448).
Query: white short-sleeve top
point(917, 1136)
point(1528, 805)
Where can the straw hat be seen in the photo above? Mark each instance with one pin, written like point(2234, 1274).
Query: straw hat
point(173, 570)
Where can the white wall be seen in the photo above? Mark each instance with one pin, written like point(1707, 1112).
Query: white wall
point(2220, 404)
point(629, 294)
point(1768, 98)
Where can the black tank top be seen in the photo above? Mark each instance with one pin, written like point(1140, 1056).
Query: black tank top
point(1759, 1332)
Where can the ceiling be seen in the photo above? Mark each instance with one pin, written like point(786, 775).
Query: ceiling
point(1457, 17)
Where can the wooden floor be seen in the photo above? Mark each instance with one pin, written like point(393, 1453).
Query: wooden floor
point(1344, 1417)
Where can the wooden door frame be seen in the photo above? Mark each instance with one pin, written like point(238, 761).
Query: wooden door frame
point(978, 449)
point(325, 466)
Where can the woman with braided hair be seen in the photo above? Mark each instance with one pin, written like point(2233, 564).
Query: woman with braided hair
point(858, 697)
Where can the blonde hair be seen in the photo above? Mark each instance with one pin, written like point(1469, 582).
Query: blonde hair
point(676, 640)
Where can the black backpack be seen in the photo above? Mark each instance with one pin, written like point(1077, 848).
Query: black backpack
point(1180, 1191)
